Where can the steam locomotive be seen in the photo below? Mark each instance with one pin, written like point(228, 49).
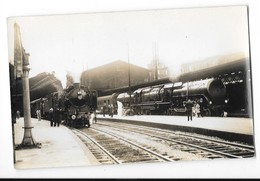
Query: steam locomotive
point(79, 105)
point(170, 98)
point(76, 104)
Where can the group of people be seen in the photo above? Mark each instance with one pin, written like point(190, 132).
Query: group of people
point(108, 109)
point(55, 117)
point(189, 108)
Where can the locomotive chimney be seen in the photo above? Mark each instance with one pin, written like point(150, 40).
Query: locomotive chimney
point(76, 85)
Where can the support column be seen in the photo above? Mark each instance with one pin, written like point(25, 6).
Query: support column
point(28, 140)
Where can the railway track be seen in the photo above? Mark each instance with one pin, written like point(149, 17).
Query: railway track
point(110, 148)
point(197, 144)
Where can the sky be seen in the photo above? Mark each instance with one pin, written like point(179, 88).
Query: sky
point(78, 42)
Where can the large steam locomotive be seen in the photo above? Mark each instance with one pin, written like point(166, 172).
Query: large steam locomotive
point(76, 104)
point(79, 106)
point(170, 99)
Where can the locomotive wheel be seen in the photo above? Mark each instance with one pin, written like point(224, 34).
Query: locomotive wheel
point(219, 112)
point(207, 112)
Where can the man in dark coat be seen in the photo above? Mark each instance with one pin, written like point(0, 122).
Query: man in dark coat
point(51, 116)
point(189, 105)
point(57, 117)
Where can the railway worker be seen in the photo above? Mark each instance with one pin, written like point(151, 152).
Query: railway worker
point(189, 105)
point(51, 116)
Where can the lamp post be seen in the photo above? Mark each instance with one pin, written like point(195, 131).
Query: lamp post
point(28, 140)
point(21, 59)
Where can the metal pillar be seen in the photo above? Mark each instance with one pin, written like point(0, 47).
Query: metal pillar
point(28, 141)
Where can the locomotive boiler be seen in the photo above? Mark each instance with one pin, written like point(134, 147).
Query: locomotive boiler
point(209, 93)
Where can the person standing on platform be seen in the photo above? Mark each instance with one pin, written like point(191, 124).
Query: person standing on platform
point(197, 108)
point(104, 109)
point(108, 109)
point(18, 115)
point(111, 110)
point(57, 117)
point(95, 116)
point(51, 116)
point(38, 113)
point(189, 105)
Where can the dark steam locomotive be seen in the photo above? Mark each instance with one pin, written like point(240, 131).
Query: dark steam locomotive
point(79, 105)
point(76, 104)
point(170, 99)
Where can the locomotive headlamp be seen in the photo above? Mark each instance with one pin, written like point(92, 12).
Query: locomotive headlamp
point(73, 117)
point(226, 100)
point(210, 102)
point(80, 95)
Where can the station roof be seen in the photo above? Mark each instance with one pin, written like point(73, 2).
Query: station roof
point(242, 64)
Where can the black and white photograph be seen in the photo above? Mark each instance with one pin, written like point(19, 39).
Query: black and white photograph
point(128, 88)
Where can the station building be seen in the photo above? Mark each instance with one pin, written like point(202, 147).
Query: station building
point(114, 75)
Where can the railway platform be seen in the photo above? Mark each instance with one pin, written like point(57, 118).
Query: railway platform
point(228, 128)
point(59, 147)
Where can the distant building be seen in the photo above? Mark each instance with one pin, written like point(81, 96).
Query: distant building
point(114, 75)
point(157, 72)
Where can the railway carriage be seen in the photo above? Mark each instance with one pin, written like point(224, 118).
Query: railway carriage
point(107, 100)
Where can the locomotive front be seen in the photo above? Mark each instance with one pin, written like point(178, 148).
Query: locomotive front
point(80, 106)
point(209, 93)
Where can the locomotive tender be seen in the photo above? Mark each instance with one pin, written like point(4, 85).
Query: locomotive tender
point(170, 98)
